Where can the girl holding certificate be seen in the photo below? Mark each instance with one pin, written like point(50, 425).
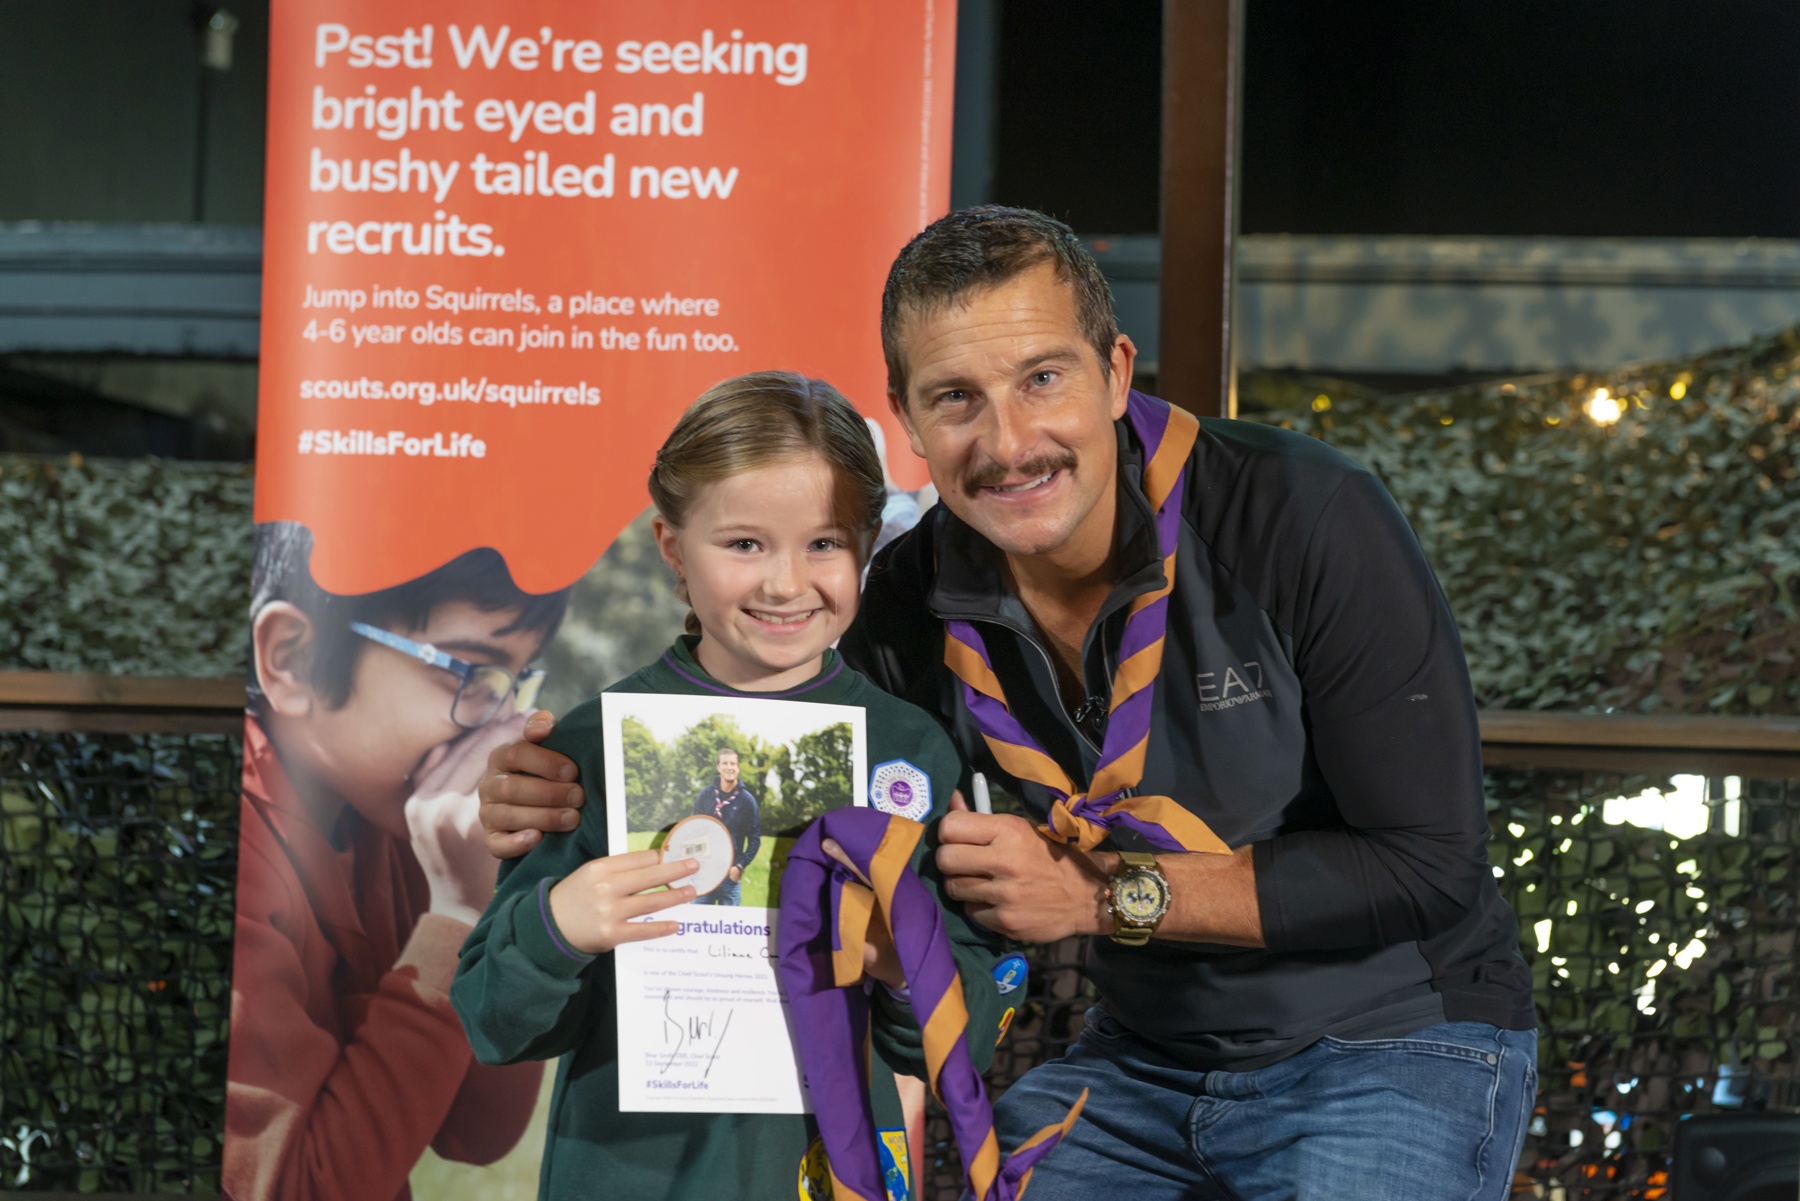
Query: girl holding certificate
point(768, 497)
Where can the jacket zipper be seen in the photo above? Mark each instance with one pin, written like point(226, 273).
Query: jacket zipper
point(1049, 666)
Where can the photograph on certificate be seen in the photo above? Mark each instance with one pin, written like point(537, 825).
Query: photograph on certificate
point(731, 783)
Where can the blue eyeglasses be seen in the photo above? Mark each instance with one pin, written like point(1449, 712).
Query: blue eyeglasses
point(484, 688)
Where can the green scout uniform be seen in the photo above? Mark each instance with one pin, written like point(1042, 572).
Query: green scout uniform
point(522, 996)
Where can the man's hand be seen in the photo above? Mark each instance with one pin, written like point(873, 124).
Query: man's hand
point(736, 873)
point(1018, 883)
point(528, 789)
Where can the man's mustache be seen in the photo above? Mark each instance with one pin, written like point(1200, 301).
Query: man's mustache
point(990, 474)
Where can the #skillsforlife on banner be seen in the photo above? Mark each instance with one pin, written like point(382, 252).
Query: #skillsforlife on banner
point(504, 247)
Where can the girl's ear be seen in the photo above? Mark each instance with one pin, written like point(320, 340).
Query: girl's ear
point(669, 546)
point(281, 643)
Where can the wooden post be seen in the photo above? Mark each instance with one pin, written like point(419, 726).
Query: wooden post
point(1202, 120)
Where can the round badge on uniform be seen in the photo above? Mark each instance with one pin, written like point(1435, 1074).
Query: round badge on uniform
point(899, 788)
point(1010, 974)
point(707, 840)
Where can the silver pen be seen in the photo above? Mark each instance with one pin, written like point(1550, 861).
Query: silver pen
point(983, 803)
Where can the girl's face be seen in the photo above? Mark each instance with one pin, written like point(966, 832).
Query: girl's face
point(772, 571)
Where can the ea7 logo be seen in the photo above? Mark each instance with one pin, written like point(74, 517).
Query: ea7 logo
point(1240, 684)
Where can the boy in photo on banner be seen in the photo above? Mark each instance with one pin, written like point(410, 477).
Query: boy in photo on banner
point(732, 802)
point(362, 870)
point(768, 494)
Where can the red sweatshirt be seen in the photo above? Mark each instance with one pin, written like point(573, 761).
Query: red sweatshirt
point(346, 1058)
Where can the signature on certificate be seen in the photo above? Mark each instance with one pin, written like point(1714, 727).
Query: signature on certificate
point(694, 1028)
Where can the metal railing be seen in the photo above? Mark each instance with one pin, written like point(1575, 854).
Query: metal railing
point(118, 853)
point(117, 873)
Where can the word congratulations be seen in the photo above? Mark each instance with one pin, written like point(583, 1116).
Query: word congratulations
point(720, 926)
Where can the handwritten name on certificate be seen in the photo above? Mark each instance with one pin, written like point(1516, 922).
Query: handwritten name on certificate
point(731, 783)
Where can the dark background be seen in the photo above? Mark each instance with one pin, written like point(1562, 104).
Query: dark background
point(1637, 118)
point(1628, 118)
point(106, 113)
point(1643, 118)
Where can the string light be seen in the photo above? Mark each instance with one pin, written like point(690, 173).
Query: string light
point(1678, 389)
point(1603, 408)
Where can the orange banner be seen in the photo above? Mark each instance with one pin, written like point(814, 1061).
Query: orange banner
point(506, 245)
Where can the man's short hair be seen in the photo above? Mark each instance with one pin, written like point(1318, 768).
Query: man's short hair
point(282, 571)
point(725, 750)
point(982, 247)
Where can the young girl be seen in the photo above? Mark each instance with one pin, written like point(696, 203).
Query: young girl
point(768, 494)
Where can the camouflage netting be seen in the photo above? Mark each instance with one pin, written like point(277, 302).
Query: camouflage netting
point(1651, 564)
point(124, 566)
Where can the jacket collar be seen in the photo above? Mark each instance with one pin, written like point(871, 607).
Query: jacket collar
point(970, 582)
point(684, 662)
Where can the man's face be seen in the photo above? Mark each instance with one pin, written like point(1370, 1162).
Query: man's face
point(728, 771)
point(1008, 405)
point(369, 750)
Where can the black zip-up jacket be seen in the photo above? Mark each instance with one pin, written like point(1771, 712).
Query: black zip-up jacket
point(1314, 703)
point(740, 813)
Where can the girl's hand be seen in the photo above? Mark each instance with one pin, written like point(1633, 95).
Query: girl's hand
point(880, 960)
point(594, 905)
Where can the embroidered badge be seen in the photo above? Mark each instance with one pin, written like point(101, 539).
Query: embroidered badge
point(815, 1174)
point(1010, 973)
point(896, 1165)
point(899, 788)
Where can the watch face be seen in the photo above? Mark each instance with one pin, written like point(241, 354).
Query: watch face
point(1140, 896)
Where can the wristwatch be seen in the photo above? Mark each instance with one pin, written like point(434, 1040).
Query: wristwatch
point(1138, 896)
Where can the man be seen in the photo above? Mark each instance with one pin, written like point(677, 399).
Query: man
point(733, 804)
point(1331, 1003)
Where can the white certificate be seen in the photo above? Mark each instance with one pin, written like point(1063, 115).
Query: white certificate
point(703, 1027)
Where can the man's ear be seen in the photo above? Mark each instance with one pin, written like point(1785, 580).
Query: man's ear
point(1121, 363)
point(668, 545)
point(897, 406)
point(281, 647)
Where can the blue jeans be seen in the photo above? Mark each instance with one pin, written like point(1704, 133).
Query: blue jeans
point(731, 892)
point(1438, 1115)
